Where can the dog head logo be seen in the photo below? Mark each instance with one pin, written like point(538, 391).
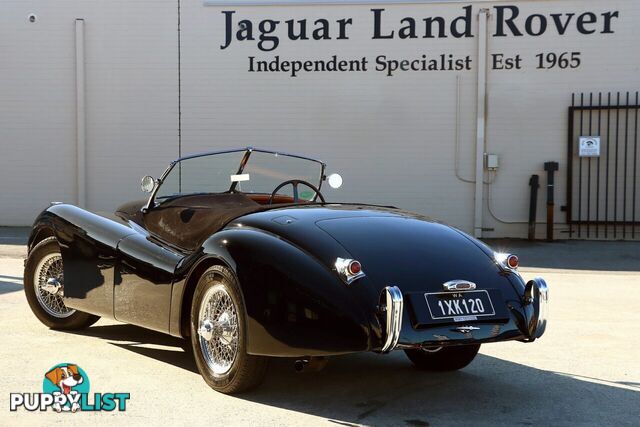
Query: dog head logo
point(65, 377)
point(66, 381)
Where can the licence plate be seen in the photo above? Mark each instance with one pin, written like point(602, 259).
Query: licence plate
point(459, 306)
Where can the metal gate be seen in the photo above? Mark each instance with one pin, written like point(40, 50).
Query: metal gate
point(603, 181)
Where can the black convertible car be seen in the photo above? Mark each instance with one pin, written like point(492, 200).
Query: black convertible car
point(239, 252)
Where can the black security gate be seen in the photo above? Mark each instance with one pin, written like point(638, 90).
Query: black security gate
point(603, 180)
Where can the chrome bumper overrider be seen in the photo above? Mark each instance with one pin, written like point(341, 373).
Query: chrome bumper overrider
point(536, 300)
point(391, 303)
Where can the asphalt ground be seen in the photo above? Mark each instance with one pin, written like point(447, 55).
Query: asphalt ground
point(584, 371)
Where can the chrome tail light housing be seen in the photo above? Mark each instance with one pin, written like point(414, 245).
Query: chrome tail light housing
point(349, 269)
point(506, 261)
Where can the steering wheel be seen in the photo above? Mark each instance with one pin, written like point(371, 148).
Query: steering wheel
point(294, 183)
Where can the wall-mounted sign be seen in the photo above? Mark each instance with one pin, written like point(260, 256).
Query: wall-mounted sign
point(589, 146)
point(271, 29)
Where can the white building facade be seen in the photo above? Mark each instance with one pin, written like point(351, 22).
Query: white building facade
point(441, 107)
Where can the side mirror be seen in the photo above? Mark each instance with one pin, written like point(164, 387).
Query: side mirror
point(147, 184)
point(334, 180)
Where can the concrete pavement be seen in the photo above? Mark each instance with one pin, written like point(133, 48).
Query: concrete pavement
point(583, 371)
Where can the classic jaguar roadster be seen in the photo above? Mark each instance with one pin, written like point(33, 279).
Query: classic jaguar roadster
point(239, 252)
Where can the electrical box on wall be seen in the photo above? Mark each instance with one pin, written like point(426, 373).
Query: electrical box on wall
point(492, 161)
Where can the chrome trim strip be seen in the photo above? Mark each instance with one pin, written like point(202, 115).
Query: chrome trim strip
point(458, 285)
point(465, 329)
point(393, 310)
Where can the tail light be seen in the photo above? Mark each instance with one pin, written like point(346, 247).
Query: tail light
point(508, 262)
point(349, 269)
point(354, 267)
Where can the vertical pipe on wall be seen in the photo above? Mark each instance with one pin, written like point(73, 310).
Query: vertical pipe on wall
point(533, 205)
point(480, 120)
point(80, 116)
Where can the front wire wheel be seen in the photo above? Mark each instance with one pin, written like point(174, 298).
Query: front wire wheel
point(48, 286)
point(44, 288)
point(218, 334)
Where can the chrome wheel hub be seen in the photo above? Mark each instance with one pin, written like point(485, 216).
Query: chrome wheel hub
point(49, 286)
point(53, 286)
point(218, 329)
point(206, 329)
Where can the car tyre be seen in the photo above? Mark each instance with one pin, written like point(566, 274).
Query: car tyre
point(443, 358)
point(45, 262)
point(218, 334)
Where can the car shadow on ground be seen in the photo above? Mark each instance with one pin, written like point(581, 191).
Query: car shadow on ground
point(387, 390)
point(145, 342)
point(10, 284)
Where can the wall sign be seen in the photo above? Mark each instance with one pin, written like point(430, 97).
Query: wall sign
point(589, 146)
point(273, 30)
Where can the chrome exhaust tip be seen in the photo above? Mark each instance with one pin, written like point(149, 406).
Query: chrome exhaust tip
point(310, 364)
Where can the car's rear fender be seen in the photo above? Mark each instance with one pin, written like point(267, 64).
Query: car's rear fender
point(295, 305)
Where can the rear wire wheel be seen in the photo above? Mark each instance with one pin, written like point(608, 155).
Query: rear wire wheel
point(443, 358)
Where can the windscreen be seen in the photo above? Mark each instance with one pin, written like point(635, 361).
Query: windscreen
point(203, 174)
point(265, 171)
point(216, 173)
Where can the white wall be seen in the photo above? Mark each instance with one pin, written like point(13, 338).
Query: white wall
point(131, 101)
point(392, 138)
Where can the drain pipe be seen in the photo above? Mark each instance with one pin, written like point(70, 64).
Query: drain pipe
point(81, 134)
point(533, 205)
point(480, 120)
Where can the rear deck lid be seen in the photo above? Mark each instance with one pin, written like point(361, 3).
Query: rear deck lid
point(412, 253)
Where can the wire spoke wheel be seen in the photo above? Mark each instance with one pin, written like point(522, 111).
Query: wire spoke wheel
point(218, 334)
point(48, 286)
point(218, 329)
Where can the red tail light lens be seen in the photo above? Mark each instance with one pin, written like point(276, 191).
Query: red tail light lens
point(349, 269)
point(354, 267)
point(507, 261)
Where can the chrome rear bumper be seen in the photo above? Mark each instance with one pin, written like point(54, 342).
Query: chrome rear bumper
point(391, 304)
point(536, 301)
point(532, 326)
